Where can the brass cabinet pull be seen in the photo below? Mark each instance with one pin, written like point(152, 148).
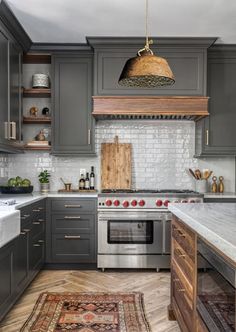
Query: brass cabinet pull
point(41, 220)
point(36, 210)
point(207, 137)
point(22, 233)
point(72, 206)
point(36, 223)
point(70, 237)
point(12, 130)
point(72, 217)
point(26, 230)
point(40, 241)
point(181, 290)
point(36, 245)
point(41, 208)
point(26, 215)
point(89, 136)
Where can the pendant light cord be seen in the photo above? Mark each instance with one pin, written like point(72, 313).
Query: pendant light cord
point(148, 42)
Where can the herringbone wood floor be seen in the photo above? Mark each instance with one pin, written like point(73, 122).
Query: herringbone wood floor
point(155, 286)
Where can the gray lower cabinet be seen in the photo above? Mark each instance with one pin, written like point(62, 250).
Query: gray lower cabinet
point(23, 257)
point(10, 93)
point(73, 125)
point(71, 233)
point(6, 278)
point(216, 134)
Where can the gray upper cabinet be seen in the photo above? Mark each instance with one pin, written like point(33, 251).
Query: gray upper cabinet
point(73, 125)
point(216, 135)
point(10, 93)
point(187, 58)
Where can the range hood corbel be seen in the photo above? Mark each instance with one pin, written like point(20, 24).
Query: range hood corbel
point(149, 107)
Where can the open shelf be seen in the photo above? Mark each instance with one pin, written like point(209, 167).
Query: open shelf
point(32, 58)
point(36, 119)
point(37, 93)
point(37, 148)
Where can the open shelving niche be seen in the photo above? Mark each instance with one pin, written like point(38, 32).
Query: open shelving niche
point(35, 63)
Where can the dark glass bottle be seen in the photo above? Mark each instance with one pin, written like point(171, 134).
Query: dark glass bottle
point(87, 182)
point(92, 179)
point(82, 182)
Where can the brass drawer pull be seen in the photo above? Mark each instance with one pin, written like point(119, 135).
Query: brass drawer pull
point(40, 241)
point(22, 233)
point(37, 245)
point(72, 206)
point(36, 210)
point(70, 237)
point(36, 223)
point(72, 217)
point(26, 230)
point(26, 215)
point(41, 208)
point(41, 220)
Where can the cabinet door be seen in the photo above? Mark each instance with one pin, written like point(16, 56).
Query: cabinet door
point(6, 285)
point(36, 253)
point(72, 120)
point(3, 87)
point(15, 95)
point(216, 135)
point(20, 263)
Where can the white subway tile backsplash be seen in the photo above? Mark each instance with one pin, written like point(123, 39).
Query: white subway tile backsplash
point(162, 151)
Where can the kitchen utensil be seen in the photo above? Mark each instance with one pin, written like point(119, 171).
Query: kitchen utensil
point(192, 173)
point(16, 190)
point(116, 165)
point(66, 184)
point(209, 174)
point(198, 174)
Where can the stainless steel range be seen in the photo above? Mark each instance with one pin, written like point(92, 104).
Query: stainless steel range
point(134, 227)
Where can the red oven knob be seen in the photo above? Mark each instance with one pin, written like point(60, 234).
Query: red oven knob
point(108, 202)
point(134, 202)
point(192, 201)
point(141, 202)
point(184, 201)
point(116, 202)
point(125, 204)
point(166, 203)
point(159, 202)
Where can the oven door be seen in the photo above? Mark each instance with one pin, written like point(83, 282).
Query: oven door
point(130, 233)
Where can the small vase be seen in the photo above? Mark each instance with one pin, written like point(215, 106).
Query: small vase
point(44, 187)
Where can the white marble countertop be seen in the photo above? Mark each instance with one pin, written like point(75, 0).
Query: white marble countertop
point(24, 200)
point(214, 222)
point(219, 195)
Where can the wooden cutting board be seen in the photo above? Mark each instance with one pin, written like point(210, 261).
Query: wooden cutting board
point(116, 165)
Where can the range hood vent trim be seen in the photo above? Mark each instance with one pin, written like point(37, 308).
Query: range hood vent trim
point(191, 108)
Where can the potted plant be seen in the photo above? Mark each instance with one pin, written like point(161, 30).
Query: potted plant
point(44, 181)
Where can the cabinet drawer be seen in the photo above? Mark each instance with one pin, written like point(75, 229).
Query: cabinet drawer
point(73, 205)
point(82, 223)
point(182, 299)
point(184, 237)
point(180, 256)
point(74, 248)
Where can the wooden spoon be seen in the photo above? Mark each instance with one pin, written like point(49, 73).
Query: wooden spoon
point(198, 174)
point(192, 173)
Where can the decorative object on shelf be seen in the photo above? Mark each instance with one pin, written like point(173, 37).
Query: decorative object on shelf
point(146, 69)
point(214, 185)
point(40, 136)
point(40, 81)
point(33, 111)
point(221, 185)
point(44, 181)
point(45, 111)
point(66, 184)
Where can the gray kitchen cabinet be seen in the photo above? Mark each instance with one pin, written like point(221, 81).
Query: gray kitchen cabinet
point(10, 93)
point(187, 58)
point(71, 232)
point(23, 257)
point(6, 278)
point(72, 122)
point(216, 134)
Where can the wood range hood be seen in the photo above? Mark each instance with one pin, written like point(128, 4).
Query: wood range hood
point(150, 107)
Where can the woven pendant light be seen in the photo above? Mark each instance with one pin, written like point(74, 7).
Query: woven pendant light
point(146, 70)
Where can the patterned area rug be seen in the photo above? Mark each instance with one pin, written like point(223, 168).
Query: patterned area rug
point(88, 312)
